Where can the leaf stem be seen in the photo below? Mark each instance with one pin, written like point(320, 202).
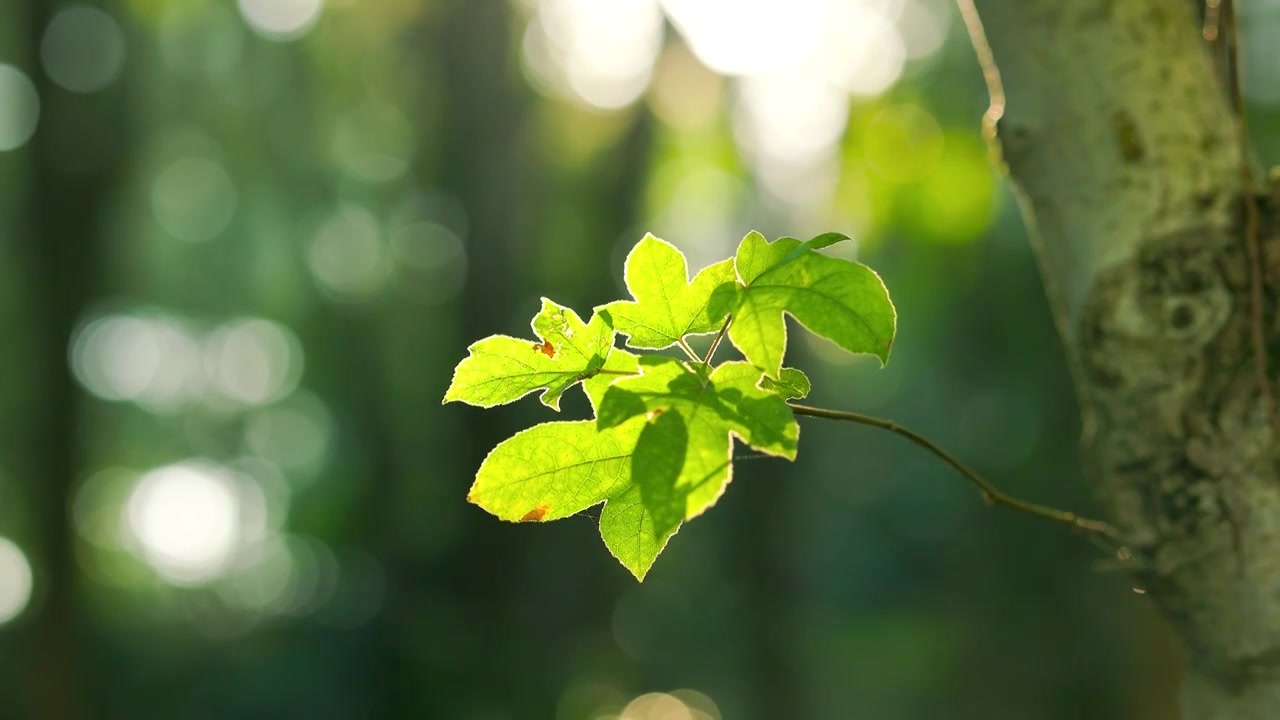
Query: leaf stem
point(689, 351)
point(988, 491)
point(715, 344)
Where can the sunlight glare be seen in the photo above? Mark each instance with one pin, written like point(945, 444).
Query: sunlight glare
point(601, 52)
point(862, 50)
point(747, 37)
point(796, 118)
point(188, 519)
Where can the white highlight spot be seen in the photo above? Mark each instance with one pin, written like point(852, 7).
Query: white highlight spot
point(600, 51)
point(253, 361)
point(15, 581)
point(149, 360)
point(281, 19)
point(19, 108)
point(188, 520)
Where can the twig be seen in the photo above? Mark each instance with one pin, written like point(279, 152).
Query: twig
point(688, 350)
point(1227, 20)
point(988, 491)
point(711, 351)
point(987, 60)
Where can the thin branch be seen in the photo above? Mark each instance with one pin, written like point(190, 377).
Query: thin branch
point(988, 491)
point(711, 351)
point(689, 351)
point(1230, 43)
point(990, 73)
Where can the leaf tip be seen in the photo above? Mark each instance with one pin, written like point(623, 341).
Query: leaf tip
point(639, 571)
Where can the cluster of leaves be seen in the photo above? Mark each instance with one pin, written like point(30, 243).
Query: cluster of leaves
point(659, 450)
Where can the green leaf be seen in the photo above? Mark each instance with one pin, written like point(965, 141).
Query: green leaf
point(684, 455)
point(826, 239)
point(558, 469)
point(815, 243)
point(841, 300)
point(658, 455)
point(792, 385)
point(620, 364)
point(667, 306)
point(501, 369)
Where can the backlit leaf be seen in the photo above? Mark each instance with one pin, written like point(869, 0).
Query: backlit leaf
point(667, 305)
point(660, 449)
point(792, 384)
point(659, 454)
point(683, 459)
point(840, 300)
point(501, 369)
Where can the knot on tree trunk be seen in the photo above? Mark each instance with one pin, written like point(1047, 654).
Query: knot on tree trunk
point(1183, 448)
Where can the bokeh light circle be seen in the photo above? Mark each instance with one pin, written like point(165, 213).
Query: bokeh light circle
point(83, 49)
point(253, 361)
point(281, 19)
point(193, 199)
point(15, 581)
point(187, 520)
point(19, 108)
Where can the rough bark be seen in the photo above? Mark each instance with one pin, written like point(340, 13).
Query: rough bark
point(1115, 128)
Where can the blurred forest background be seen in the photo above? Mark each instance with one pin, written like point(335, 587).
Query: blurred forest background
point(243, 244)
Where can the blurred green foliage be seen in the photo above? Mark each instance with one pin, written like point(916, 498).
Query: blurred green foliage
point(242, 246)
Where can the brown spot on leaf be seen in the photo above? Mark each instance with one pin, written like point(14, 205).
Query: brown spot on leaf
point(546, 348)
point(536, 514)
point(653, 414)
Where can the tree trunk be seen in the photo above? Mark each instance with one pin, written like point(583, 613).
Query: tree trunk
point(1120, 136)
